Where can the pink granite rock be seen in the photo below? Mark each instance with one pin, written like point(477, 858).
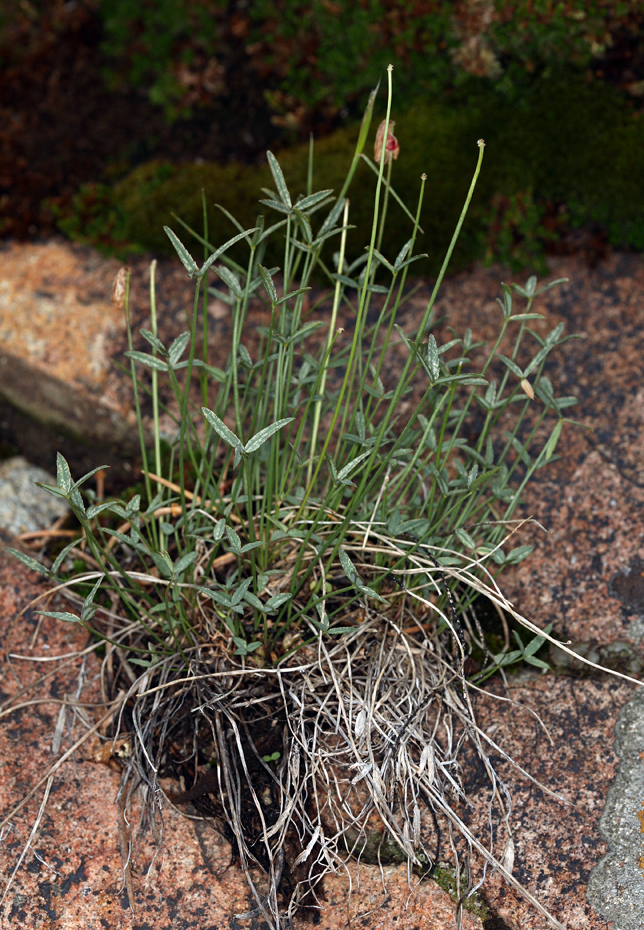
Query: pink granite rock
point(583, 577)
point(71, 876)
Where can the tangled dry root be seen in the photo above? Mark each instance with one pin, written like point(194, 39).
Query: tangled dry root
point(368, 730)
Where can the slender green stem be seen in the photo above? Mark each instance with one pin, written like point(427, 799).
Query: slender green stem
point(331, 335)
point(363, 300)
point(137, 402)
point(204, 330)
point(186, 398)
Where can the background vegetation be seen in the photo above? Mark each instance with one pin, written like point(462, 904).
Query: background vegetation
point(554, 88)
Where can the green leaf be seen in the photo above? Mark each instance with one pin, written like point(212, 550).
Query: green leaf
point(519, 554)
point(63, 474)
point(268, 284)
point(521, 451)
point(215, 373)
point(304, 225)
point(243, 648)
point(216, 596)
point(76, 503)
point(224, 248)
point(275, 602)
point(254, 601)
point(312, 200)
point(222, 430)
point(233, 538)
point(88, 610)
point(348, 468)
point(89, 475)
point(539, 664)
point(402, 254)
point(343, 279)
point(383, 261)
point(366, 120)
point(547, 287)
point(177, 348)
point(465, 538)
point(244, 355)
point(163, 562)
point(536, 644)
point(409, 261)
point(506, 303)
point(150, 360)
point(508, 658)
point(514, 368)
point(60, 615)
point(154, 341)
point(29, 562)
point(536, 361)
point(128, 540)
point(432, 358)
point(232, 219)
point(260, 438)
point(378, 289)
point(156, 502)
point(184, 562)
point(278, 177)
point(333, 217)
point(369, 592)
point(231, 280)
point(60, 558)
point(551, 445)
point(186, 258)
point(275, 205)
point(251, 545)
point(296, 293)
point(240, 593)
point(553, 337)
point(134, 505)
point(349, 568)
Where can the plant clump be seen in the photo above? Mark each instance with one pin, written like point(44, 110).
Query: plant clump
point(288, 603)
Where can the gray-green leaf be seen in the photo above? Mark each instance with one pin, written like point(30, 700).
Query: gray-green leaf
point(222, 430)
point(260, 438)
point(186, 258)
point(278, 177)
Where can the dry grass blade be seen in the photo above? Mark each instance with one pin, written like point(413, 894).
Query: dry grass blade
point(66, 755)
point(34, 830)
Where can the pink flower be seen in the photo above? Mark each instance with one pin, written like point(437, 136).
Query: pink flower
point(391, 145)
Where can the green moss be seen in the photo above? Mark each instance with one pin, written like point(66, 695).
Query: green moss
point(565, 142)
point(445, 876)
point(375, 849)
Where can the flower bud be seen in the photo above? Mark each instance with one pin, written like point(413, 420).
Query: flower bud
point(119, 287)
point(391, 145)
